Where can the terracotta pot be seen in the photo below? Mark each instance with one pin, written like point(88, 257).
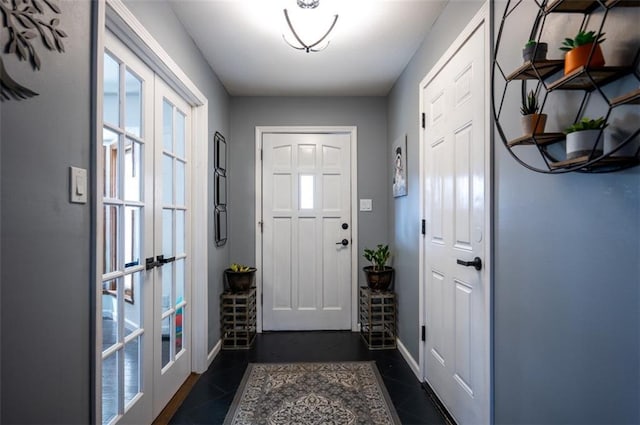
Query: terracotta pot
point(379, 280)
point(533, 123)
point(581, 143)
point(579, 56)
point(240, 281)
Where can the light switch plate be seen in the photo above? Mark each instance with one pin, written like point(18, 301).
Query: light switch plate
point(366, 205)
point(77, 185)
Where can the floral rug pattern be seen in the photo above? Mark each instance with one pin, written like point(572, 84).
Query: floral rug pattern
point(348, 393)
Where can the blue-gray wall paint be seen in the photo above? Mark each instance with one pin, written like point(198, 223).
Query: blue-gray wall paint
point(567, 255)
point(367, 113)
point(403, 117)
point(158, 18)
point(45, 244)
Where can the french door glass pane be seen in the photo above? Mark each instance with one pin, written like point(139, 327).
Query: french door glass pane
point(110, 147)
point(179, 318)
point(166, 340)
point(180, 236)
point(167, 290)
point(180, 170)
point(180, 135)
point(111, 104)
point(110, 387)
point(179, 281)
point(131, 369)
point(167, 232)
point(109, 313)
point(133, 302)
point(110, 230)
point(133, 107)
point(167, 126)
point(132, 170)
point(132, 236)
point(167, 180)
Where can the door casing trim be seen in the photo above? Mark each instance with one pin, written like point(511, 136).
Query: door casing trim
point(353, 132)
point(482, 17)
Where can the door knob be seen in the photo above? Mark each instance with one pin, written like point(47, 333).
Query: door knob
point(476, 263)
point(345, 226)
point(343, 242)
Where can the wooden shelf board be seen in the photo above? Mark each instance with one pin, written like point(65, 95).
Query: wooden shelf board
point(632, 98)
point(579, 78)
point(605, 162)
point(545, 68)
point(571, 6)
point(542, 139)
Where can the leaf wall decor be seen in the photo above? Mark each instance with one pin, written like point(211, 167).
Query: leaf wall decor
point(24, 22)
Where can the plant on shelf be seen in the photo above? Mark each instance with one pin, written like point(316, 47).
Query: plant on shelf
point(584, 137)
point(578, 51)
point(532, 121)
point(534, 51)
point(240, 278)
point(379, 275)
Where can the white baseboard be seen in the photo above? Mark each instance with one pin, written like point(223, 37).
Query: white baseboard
point(213, 353)
point(409, 359)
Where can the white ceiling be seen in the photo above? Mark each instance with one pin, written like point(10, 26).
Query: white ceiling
point(370, 46)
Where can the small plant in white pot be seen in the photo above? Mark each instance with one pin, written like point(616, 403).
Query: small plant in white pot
point(532, 121)
point(585, 138)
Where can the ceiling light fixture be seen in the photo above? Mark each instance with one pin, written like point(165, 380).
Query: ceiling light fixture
point(313, 47)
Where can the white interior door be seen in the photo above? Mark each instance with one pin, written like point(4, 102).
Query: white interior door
point(144, 215)
point(456, 306)
point(172, 310)
point(306, 281)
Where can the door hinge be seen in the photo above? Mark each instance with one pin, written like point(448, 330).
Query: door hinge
point(424, 226)
point(424, 119)
point(424, 333)
point(260, 154)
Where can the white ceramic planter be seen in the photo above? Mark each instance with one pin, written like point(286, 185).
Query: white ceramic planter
point(581, 143)
point(611, 142)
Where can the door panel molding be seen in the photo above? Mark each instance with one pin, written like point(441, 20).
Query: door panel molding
point(482, 18)
point(353, 132)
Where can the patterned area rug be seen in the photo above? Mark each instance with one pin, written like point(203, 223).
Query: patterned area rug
point(312, 394)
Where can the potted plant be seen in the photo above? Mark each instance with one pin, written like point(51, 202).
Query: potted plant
point(583, 137)
point(379, 275)
point(616, 144)
point(240, 278)
point(532, 122)
point(579, 49)
point(534, 51)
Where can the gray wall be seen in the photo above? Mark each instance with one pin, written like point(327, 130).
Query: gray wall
point(567, 261)
point(158, 18)
point(367, 113)
point(403, 117)
point(567, 251)
point(45, 241)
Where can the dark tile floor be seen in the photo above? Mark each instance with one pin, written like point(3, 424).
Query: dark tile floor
point(211, 396)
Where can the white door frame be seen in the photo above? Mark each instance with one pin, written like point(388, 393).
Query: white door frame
point(353, 131)
point(115, 16)
point(482, 17)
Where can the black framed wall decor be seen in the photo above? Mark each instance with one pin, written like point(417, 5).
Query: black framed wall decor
point(220, 188)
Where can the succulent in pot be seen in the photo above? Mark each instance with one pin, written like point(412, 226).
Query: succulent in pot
point(379, 275)
point(534, 51)
point(532, 121)
point(585, 138)
point(240, 278)
point(579, 51)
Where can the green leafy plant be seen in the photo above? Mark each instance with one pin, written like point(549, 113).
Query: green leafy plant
point(378, 257)
point(587, 124)
point(530, 43)
point(235, 267)
point(581, 39)
point(530, 104)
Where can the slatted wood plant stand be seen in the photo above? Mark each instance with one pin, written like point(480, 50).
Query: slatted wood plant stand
point(238, 319)
point(378, 318)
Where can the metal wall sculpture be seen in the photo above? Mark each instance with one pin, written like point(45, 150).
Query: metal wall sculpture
point(24, 22)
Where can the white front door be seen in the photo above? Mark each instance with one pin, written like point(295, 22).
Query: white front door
point(143, 217)
point(456, 303)
point(306, 194)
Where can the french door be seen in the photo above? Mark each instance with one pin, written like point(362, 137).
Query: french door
point(143, 240)
point(306, 198)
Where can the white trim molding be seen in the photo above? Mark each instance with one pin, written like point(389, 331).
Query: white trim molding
point(413, 364)
point(213, 353)
point(353, 131)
